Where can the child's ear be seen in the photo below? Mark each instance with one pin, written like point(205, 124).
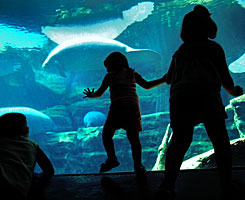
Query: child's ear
point(26, 131)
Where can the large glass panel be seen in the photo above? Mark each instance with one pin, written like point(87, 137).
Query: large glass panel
point(51, 50)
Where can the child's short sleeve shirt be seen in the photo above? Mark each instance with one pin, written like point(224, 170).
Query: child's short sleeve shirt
point(17, 161)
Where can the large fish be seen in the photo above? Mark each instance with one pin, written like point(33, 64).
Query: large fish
point(238, 66)
point(88, 53)
point(37, 121)
point(108, 28)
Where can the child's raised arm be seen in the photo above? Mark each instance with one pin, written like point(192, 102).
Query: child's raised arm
point(149, 84)
point(98, 93)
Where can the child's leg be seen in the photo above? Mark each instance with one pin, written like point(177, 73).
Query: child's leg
point(133, 137)
point(111, 162)
point(218, 135)
point(107, 136)
point(181, 140)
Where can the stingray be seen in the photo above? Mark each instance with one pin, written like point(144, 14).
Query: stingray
point(89, 53)
point(238, 66)
point(110, 28)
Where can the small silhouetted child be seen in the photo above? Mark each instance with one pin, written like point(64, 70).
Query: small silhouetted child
point(124, 110)
point(18, 156)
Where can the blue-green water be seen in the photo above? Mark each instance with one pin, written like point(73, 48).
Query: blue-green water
point(51, 50)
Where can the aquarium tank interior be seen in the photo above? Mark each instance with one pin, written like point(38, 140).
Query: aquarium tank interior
point(50, 51)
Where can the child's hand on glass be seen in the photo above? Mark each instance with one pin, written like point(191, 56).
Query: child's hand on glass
point(88, 92)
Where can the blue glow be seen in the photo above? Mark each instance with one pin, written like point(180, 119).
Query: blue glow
point(50, 51)
point(241, 2)
point(20, 37)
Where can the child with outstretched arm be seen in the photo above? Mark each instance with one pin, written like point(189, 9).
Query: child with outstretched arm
point(124, 110)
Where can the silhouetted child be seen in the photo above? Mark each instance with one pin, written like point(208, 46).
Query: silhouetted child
point(18, 156)
point(196, 74)
point(124, 110)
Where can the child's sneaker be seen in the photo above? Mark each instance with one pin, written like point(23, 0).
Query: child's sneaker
point(108, 165)
point(140, 172)
point(164, 191)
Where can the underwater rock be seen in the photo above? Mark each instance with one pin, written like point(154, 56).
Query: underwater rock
point(26, 93)
point(238, 106)
point(76, 152)
point(89, 53)
point(82, 151)
point(153, 121)
point(163, 149)
point(9, 64)
point(154, 126)
point(54, 82)
point(230, 123)
point(94, 118)
point(38, 122)
point(61, 116)
point(207, 159)
point(108, 28)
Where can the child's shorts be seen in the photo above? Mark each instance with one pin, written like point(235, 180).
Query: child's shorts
point(196, 110)
point(127, 117)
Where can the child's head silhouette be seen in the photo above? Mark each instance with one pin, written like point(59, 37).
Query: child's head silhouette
point(14, 124)
point(198, 25)
point(116, 61)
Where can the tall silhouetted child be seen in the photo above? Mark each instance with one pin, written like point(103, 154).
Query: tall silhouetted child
point(124, 110)
point(18, 156)
point(196, 74)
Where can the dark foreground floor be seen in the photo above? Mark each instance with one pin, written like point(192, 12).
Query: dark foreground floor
point(191, 184)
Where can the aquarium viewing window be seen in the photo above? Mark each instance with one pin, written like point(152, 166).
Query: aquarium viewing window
point(50, 51)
